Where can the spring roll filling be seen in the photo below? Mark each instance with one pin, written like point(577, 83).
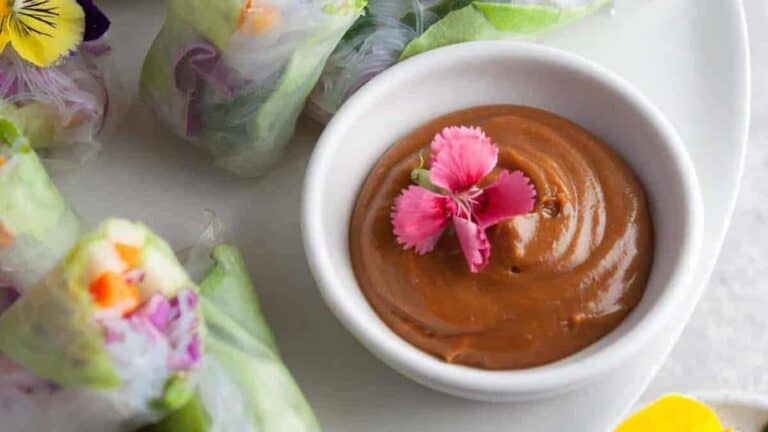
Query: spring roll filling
point(147, 315)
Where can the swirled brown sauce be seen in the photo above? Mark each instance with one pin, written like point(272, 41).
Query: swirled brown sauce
point(559, 278)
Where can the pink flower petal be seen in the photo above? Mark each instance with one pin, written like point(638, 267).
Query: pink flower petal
point(461, 157)
point(510, 195)
point(474, 243)
point(419, 216)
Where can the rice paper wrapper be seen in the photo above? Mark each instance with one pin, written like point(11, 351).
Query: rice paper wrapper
point(118, 373)
point(32, 404)
point(393, 30)
point(244, 385)
point(37, 226)
point(65, 110)
point(232, 76)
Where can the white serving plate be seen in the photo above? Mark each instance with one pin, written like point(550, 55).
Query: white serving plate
point(743, 412)
point(690, 57)
point(738, 411)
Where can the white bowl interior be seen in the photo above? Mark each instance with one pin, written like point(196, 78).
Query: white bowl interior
point(495, 73)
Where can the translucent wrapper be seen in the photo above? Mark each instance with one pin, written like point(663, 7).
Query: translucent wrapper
point(392, 30)
point(37, 226)
point(109, 340)
point(62, 109)
point(232, 76)
point(244, 385)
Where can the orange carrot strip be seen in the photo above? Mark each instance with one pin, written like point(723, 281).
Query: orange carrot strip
point(256, 19)
point(6, 237)
point(244, 11)
point(110, 290)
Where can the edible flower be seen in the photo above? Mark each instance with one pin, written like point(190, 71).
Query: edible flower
point(96, 23)
point(42, 32)
point(449, 192)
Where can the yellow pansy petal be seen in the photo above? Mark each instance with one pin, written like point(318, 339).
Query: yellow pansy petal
point(4, 39)
point(673, 413)
point(42, 31)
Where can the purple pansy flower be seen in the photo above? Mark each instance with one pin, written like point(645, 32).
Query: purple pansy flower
point(96, 23)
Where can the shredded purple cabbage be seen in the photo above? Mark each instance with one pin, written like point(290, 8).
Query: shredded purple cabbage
point(157, 311)
point(8, 296)
point(183, 330)
point(173, 321)
point(196, 68)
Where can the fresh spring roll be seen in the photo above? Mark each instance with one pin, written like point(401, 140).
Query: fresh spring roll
point(244, 385)
point(114, 330)
point(232, 76)
point(37, 226)
point(61, 107)
point(392, 30)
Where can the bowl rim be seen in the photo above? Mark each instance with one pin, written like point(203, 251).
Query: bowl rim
point(477, 383)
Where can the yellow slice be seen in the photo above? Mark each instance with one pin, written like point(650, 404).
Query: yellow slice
point(673, 413)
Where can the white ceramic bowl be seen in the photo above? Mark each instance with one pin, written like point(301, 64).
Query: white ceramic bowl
point(480, 73)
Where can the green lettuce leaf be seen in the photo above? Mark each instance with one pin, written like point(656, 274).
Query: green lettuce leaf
point(228, 288)
point(29, 201)
point(215, 20)
point(37, 120)
point(488, 20)
point(42, 225)
point(244, 384)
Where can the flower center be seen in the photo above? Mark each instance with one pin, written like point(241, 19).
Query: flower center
point(466, 201)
